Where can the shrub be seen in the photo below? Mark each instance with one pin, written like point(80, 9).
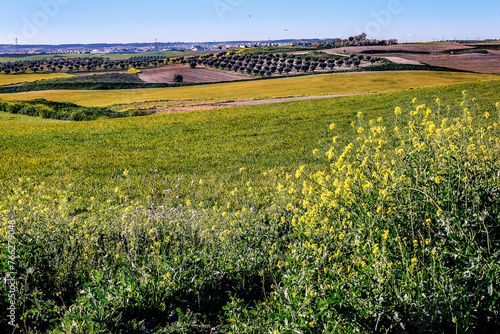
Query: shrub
point(45, 111)
point(57, 110)
point(133, 71)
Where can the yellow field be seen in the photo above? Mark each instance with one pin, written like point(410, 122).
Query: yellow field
point(349, 83)
point(9, 79)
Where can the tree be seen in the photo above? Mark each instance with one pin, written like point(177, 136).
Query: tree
point(178, 78)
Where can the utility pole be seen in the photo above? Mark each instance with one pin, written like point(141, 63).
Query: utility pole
point(16, 45)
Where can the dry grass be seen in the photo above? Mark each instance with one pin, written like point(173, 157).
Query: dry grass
point(9, 79)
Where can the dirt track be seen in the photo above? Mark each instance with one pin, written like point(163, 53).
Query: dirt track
point(247, 103)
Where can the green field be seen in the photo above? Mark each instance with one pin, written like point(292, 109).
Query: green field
point(252, 219)
point(112, 56)
point(351, 83)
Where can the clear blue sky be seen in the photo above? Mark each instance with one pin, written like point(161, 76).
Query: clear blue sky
point(124, 21)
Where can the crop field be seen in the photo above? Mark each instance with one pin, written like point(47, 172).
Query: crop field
point(479, 58)
point(112, 56)
point(416, 48)
point(8, 79)
point(355, 214)
point(474, 62)
point(351, 83)
point(190, 75)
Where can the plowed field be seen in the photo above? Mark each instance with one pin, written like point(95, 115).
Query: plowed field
point(191, 75)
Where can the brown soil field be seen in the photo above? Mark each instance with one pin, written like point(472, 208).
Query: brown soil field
point(473, 62)
point(424, 47)
point(197, 75)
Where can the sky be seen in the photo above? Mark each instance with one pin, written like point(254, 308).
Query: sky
point(129, 21)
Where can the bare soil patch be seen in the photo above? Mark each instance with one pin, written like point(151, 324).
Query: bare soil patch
point(473, 62)
point(191, 75)
point(427, 47)
point(399, 60)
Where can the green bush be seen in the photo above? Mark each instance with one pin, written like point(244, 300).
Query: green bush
point(57, 110)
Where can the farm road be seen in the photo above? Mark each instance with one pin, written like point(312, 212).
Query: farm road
point(247, 103)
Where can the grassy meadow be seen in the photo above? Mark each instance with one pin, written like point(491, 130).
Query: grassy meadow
point(356, 214)
point(351, 83)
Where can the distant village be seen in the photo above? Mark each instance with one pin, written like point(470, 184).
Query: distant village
point(15, 49)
